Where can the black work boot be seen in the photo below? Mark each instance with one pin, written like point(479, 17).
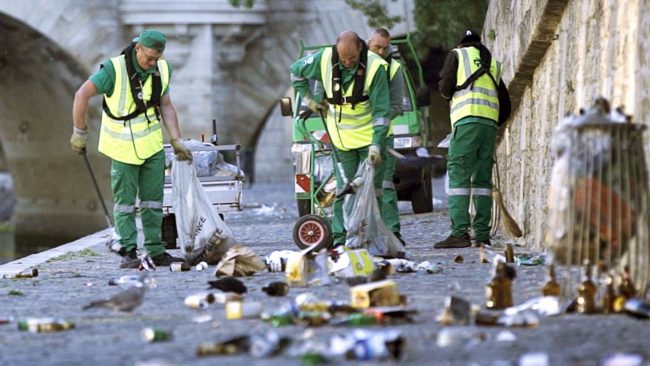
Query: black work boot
point(454, 242)
point(130, 260)
point(165, 259)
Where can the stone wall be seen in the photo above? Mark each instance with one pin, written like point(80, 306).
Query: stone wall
point(559, 56)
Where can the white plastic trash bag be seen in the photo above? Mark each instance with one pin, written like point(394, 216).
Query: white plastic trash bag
point(202, 235)
point(365, 228)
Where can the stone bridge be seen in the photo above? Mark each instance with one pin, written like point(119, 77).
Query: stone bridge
point(230, 64)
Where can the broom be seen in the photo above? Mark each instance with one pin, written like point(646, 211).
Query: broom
point(509, 223)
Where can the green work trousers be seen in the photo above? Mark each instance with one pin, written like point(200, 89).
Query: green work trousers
point(350, 160)
point(145, 181)
point(389, 210)
point(470, 172)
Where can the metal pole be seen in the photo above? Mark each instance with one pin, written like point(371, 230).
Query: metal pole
point(99, 193)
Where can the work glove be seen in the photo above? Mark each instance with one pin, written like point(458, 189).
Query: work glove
point(182, 153)
point(314, 106)
point(78, 140)
point(374, 155)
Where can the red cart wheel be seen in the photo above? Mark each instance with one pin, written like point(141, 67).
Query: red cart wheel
point(310, 230)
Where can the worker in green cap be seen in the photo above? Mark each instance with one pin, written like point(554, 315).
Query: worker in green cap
point(135, 86)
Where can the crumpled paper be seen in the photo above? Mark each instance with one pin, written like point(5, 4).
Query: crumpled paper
point(239, 261)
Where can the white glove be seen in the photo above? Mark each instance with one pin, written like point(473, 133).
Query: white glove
point(374, 155)
point(275, 260)
point(314, 106)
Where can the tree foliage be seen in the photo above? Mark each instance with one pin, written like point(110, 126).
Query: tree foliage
point(376, 12)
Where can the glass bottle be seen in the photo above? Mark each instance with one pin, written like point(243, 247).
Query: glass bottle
point(627, 288)
point(551, 287)
point(609, 295)
point(586, 301)
point(498, 291)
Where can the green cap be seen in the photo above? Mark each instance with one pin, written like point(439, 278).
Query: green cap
point(152, 39)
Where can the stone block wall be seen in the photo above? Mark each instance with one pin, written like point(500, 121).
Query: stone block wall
point(559, 56)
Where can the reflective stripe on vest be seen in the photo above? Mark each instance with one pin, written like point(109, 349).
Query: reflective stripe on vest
point(118, 139)
point(394, 67)
point(349, 128)
point(481, 98)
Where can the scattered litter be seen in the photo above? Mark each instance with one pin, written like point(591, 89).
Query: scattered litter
point(277, 260)
point(155, 335)
point(276, 288)
point(201, 266)
point(180, 267)
point(44, 325)
point(637, 308)
point(382, 293)
point(202, 318)
point(200, 300)
point(506, 336)
point(231, 346)
point(529, 260)
point(459, 259)
point(239, 261)
point(623, 359)
point(533, 359)
point(242, 310)
point(457, 311)
point(229, 284)
point(459, 336)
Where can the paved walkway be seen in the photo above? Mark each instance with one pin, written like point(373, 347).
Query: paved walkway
point(74, 274)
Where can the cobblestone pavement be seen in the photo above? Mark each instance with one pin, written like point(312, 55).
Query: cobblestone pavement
point(104, 337)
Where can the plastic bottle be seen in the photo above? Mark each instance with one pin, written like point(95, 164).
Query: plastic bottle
point(586, 301)
point(551, 287)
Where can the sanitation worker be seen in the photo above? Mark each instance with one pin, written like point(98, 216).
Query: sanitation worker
point(471, 81)
point(355, 83)
point(379, 43)
point(136, 104)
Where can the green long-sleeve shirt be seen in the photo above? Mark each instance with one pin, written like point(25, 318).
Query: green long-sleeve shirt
point(308, 68)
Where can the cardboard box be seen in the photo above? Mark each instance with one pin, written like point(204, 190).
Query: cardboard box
point(380, 293)
point(306, 268)
point(351, 263)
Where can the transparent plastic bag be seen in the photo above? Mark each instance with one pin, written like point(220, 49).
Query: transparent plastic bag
point(202, 235)
point(365, 228)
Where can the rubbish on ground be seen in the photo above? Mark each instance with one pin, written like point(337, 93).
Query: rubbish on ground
point(307, 268)
point(180, 267)
point(533, 359)
point(551, 287)
point(359, 320)
point(459, 336)
point(506, 336)
point(510, 253)
point(229, 284)
point(202, 318)
point(146, 264)
point(242, 310)
point(239, 261)
point(392, 314)
point(498, 292)
point(457, 311)
point(530, 260)
point(482, 258)
point(545, 306)
point(155, 335)
point(459, 259)
point(623, 359)
point(231, 346)
point(587, 291)
point(627, 287)
point(126, 300)
point(314, 318)
point(277, 260)
point(637, 308)
point(276, 288)
point(429, 267)
point(608, 297)
point(27, 273)
point(363, 345)
point(202, 234)
point(352, 262)
point(44, 325)
point(268, 344)
point(201, 266)
point(363, 222)
point(199, 301)
point(381, 293)
point(6, 320)
point(224, 297)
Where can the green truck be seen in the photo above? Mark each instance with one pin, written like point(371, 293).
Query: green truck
point(412, 130)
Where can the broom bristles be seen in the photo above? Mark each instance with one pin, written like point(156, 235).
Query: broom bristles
point(509, 223)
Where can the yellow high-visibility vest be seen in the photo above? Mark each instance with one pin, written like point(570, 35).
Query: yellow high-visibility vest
point(395, 66)
point(137, 139)
point(480, 99)
point(350, 128)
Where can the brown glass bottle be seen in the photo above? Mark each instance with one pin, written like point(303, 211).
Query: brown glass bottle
point(586, 301)
point(627, 288)
point(551, 287)
point(498, 292)
point(609, 295)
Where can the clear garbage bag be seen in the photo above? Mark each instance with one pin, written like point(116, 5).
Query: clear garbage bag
point(365, 228)
point(202, 235)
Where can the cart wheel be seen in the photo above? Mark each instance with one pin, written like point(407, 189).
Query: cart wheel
point(310, 230)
